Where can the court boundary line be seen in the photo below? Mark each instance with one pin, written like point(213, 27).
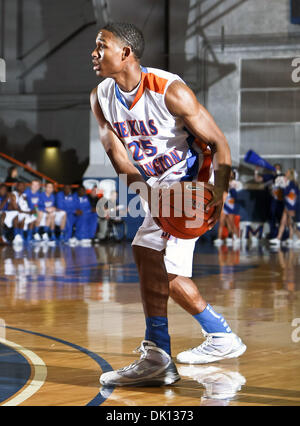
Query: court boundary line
point(103, 364)
point(39, 377)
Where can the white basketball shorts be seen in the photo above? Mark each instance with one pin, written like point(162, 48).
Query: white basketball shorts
point(9, 217)
point(58, 217)
point(178, 252)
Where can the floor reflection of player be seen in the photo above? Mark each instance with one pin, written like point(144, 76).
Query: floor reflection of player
point(228, 258)
point(288, 261)
point(221, 384)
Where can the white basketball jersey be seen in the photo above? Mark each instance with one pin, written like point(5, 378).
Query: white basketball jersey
point(21, 201)
point(159, 142)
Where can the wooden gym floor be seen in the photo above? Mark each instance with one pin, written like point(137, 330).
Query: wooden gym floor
point(67, 314)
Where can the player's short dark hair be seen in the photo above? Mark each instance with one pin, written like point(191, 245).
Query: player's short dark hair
point(130, 35)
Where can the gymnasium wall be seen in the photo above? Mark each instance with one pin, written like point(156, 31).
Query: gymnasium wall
point(215, 49)
point(47, 47)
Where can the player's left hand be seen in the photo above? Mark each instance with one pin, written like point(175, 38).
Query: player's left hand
point(217, 201)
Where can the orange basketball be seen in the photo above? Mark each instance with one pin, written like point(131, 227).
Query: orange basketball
point(182, 209)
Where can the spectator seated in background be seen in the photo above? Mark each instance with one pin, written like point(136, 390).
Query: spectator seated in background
point(33, 194)
point(5, 198)
point(68, 202)
point(87, 219)
point(12, 178)
point(49, 216)
point(94, 198)
point(230, 210)
point(275, 182)
point(290, 193)
point(111, 223)
point(25, 218)
point(33, 197)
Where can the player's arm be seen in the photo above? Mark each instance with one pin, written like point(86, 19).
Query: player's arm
point(3, 202)
point(182, 102)
point(113, 146)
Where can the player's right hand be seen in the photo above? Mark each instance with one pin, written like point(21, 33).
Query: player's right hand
point(219, 197)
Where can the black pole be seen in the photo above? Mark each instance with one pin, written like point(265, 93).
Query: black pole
point(19, 29)
point(167, 34)
point(2, 35)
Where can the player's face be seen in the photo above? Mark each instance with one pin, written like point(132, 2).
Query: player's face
point(14, 173)
point(21, 187)
point(81, 192)
point(278, 168)
point(35, 186)
point(49, 189)
point(67, 190)
point(3, 191)
point(108, 55)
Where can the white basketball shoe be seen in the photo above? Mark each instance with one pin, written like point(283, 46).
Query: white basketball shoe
point(37, 237)
point(218, 242)
point(18, 240)
point(154, 368)
point(216, 347)
point(45, 237)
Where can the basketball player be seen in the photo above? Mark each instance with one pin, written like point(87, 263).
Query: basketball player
point(25, 219)
point(291, 193)
point(227, 217)
point(171, 137)
point(5, 198)
point(67, 201)
point(49, 215)
point(87, 221)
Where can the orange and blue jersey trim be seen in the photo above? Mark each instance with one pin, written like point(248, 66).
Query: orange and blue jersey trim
point(149, 81)
point(193, 170)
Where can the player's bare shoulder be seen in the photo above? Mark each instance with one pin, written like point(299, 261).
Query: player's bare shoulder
point(96, 106)
point(180, 99)
point(94, 98)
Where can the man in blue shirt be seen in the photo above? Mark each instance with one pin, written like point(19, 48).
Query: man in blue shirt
point(87, 220)
point(33, 199)
point(68, 202)
point(4, 203)
point(49, 215)
point(33, 194)
point(25, 219)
